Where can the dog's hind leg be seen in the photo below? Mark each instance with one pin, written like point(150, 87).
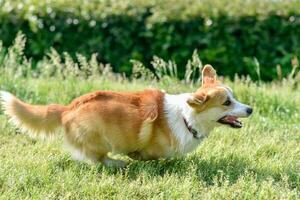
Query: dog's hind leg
point(84, 154)
point(89, 146)
point(84, 144)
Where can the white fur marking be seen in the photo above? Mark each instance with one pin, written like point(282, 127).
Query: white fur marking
point(6, 98)
point(175, 107)
point(239, 109)
point(76, 154)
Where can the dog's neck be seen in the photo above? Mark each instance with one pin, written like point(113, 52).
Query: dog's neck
point(198, 122)
point(176, 110)
point(193, 131)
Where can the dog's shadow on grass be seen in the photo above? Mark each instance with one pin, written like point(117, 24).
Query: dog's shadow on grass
point(203, 169)
point(206, 170)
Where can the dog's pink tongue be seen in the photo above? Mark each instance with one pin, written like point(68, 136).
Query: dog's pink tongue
point(230, 118)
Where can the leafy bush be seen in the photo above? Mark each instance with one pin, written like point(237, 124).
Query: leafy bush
point(244, 37)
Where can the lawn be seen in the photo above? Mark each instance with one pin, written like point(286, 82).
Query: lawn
point(259, 161)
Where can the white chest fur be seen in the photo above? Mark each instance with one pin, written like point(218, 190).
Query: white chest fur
point(176, 108)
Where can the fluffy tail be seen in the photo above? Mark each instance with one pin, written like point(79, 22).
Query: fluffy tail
point(36, 120)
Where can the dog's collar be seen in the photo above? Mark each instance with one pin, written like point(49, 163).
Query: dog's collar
point(191, 129)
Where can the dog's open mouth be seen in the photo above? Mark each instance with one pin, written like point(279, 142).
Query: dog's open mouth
point(231, 120)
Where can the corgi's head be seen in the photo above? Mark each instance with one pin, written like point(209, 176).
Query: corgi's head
point(215, 102)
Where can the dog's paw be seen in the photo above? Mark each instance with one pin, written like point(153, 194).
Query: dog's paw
point(108, 162)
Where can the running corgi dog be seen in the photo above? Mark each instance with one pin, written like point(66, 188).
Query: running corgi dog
point(144, 125)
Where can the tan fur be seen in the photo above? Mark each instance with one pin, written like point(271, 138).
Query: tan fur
point(209, 94)
point(97, 123)
point(34, 119)
point(123, 122)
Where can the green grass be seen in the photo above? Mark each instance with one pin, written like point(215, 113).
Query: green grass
point(259, 161)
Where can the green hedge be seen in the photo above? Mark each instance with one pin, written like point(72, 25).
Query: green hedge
point(231, 35)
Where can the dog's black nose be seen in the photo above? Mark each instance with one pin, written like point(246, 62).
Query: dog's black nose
point(249, 111)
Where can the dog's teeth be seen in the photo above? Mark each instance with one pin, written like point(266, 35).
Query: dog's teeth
point(237, 124)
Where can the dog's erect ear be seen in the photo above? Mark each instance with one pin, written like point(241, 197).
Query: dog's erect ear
point(209, 75)
point(198, 100)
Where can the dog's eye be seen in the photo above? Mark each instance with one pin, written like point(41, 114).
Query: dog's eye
point(227, 102)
